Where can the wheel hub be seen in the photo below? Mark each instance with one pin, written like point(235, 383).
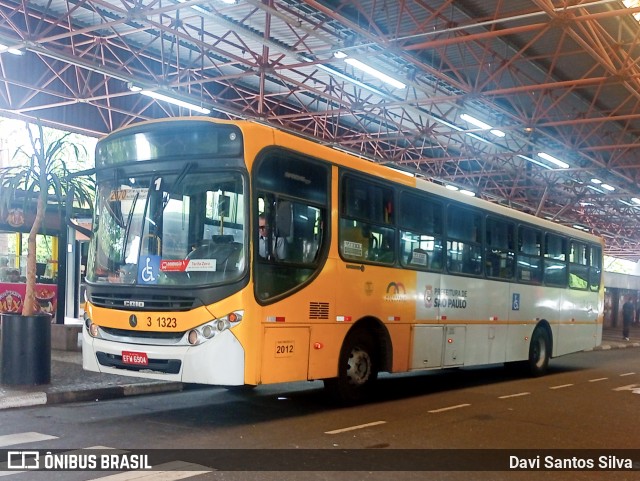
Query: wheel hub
point(359, 367)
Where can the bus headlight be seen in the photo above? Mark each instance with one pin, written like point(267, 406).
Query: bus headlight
point(92, 328)
point(208, 331)
point(212, 328)
point(193, 337)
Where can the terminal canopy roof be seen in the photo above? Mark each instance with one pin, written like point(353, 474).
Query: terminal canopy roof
point(552, 77)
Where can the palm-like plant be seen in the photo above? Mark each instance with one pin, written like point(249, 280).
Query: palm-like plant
point(41, 175)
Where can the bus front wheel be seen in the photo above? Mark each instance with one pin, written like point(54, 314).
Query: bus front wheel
point(539, 352)
point(357, 370)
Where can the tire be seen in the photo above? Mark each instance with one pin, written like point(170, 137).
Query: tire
point(357, 370)
point(539, 352)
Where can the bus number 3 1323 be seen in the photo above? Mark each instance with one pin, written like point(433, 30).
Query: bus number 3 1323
point(163, 322)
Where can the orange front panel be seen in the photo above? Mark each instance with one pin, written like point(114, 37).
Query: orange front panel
point(285, 354)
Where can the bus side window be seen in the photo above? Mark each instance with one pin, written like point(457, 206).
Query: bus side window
point(418, 257)
point(578, 266)
point(383, 240)
point(304, 235)
point(355, 240)
point(595, 267)
point(464, 246)
point(421, 242)
point(529, 262)
point(291, 201)
point(282, 230)
point(555, 260)
point(499, 241)
point(366, 221)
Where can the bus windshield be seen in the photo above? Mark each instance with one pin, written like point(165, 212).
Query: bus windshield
point(180, 228)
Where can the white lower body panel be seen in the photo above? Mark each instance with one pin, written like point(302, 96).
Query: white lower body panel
point(218, 361)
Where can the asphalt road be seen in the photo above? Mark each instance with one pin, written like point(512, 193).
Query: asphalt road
point(588, 402)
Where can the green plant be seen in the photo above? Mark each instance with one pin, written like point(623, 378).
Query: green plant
point(42, 176)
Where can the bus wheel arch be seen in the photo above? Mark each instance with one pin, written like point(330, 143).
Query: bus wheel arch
point(365, 351)
point(540, 349)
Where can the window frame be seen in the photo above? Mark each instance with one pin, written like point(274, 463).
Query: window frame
point(550, 262)
point(367, 234)
point(511, 249)
point(476, 245)
point(520, 254)
point(283, 277)
point(438, 204)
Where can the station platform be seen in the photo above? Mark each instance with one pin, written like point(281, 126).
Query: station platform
point(70, 383)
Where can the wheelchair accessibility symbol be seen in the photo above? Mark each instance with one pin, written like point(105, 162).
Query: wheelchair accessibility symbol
point(148, 269)
point(515, 302)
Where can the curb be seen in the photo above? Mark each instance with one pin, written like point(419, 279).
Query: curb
point(22, 400)
point(617, 345)
point(84, 395)
point(112, 392)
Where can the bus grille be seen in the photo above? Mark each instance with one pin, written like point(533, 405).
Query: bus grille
point(319, 310)
point(143, 303)
point(143, 335)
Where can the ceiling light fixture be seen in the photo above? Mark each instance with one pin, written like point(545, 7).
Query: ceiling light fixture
point(198, 8)
point(533, 161)
point(477, 137)
point(339, 74)
point(14, 51)
point(553, 160)
point(604, 186)
point(172, 100)
point(482, 125)
point(374, 73)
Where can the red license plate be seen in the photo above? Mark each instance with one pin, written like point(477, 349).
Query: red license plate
point(135, 358)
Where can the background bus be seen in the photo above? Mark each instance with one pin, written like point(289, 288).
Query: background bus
point(232, 253)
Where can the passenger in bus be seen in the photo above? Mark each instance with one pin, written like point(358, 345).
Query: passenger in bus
point(279, 244)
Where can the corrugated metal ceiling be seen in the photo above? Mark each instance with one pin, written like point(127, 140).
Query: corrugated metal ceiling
point(555, 76)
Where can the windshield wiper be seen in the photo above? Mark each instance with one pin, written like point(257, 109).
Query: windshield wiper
point(128, 227)
point(176, 184)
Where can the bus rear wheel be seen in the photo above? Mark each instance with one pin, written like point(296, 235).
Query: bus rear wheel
point(357, 370)
point(539, 352)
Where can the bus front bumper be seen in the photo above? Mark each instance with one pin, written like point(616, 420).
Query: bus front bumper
point(218, 361)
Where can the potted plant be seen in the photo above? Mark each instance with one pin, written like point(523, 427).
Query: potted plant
point(39, 176)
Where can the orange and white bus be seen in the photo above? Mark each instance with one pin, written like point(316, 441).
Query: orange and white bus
point(232, 253)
